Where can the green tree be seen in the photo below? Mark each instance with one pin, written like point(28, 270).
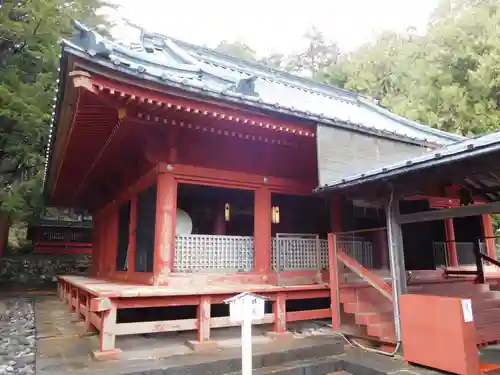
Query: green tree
point(30, 32)
point(318, 55)
point(448, 78)
point(238, 49)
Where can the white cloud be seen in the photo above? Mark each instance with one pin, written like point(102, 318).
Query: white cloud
point(275, 25)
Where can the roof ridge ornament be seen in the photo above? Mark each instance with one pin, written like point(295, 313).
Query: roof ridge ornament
point(91, 41)
point(245, 86)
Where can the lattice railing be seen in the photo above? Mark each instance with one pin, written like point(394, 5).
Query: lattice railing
point(197, 252)
point(299, 253)
point(465, 252)
point(361, 251)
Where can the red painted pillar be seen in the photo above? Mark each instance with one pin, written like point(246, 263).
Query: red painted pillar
point(131, 235)
point(4, 234)
point(451, 245)
point(336, 214)
point(380, 241)
point(262, 230)
point(103, 218)
point(113, 241)
point(94, 269)
point(164, 248)
point(488, 235)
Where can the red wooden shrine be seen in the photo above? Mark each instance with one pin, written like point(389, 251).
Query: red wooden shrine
point(61, 235)
point(196, 197)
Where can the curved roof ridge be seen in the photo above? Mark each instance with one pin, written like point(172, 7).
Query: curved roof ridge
point(410, 123)
point(327, 90)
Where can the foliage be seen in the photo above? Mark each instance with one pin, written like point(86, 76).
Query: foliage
point(318, 54)
point(448, 78)
point(238, 49)
point(30, 32)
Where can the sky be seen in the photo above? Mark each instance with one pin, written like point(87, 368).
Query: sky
point(274, 26)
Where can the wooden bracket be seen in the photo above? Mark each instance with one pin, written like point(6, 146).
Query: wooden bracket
point(100, 304)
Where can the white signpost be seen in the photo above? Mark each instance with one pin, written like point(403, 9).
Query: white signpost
point(244, 308)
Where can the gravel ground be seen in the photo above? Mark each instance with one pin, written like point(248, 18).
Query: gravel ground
point(17, 337)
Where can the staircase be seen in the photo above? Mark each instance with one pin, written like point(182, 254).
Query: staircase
point(374, 312)
point(485, 304)
point(371, 310)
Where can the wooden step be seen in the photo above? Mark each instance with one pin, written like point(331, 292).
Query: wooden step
point(381, 330)
point(373, 318)
point(364, 307)
point(348, 295)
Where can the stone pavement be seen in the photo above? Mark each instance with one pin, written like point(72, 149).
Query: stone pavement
point(17, 336)
point(64, 346)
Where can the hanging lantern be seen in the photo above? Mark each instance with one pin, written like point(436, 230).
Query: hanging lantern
point(227, 212)
point(275, 214)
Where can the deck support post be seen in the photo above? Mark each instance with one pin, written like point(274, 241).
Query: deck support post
point(451, 244)
point(279, 311)
point(488, 234)
point(77, 304)
point(89, 327)
point(203, 317)
point(203, 342)
point(164, 246)
point(262, 230)
point(107, 334)
point(396, 259)
point(333, 281)
point(70, 299)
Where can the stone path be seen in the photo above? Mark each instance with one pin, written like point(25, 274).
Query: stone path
point(17, 336)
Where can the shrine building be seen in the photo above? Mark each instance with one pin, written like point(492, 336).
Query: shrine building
point(203, 173)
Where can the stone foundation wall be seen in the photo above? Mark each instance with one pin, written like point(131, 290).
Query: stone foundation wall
point(42, 268)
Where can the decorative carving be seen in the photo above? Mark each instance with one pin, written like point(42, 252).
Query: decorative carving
point(245, 86)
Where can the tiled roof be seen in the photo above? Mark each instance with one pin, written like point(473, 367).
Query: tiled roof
point(197, 69)
point(482, 145)
point(159, 57)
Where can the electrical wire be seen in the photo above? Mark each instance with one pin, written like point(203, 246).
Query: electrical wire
point(357, 344)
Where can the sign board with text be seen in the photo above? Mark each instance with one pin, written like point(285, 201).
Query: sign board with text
point(246, 306)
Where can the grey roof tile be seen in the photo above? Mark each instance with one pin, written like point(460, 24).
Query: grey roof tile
point(176, 61)
point(460, 150)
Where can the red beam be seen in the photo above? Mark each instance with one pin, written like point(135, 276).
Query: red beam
point(65, 147)
point(138, 302)
point(224, 178)
point(171, 103)
point(308, 315)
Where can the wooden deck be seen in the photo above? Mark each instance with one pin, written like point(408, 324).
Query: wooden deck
point(119, 289)
point(97, 301)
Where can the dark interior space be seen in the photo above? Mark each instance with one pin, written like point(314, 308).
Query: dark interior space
point(151, 314)
point(417, 238)
point(123, 236)
point(145, 230)
point(215, 210)
point(307, 304)
point(301, 214)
